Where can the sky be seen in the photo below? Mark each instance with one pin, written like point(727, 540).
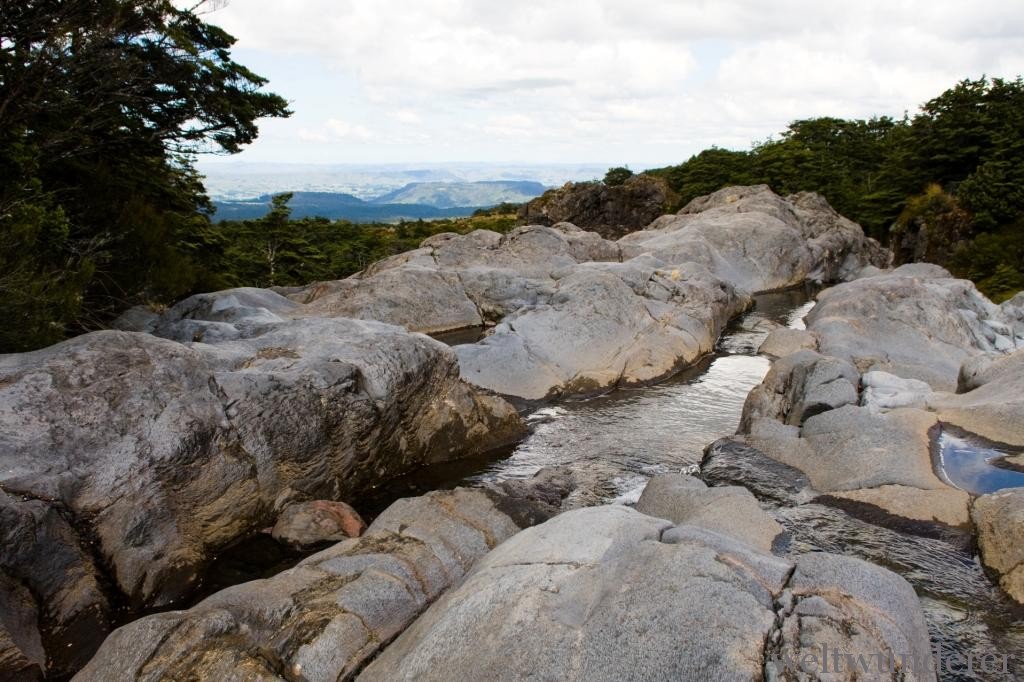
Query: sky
point(642, 83)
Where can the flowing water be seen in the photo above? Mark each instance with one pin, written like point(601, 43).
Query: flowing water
point(615, 442)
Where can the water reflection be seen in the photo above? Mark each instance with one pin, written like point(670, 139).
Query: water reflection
point(972, 463)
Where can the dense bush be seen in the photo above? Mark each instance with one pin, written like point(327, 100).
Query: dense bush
point(103, 104)
point(951, 177)
point(277, 251)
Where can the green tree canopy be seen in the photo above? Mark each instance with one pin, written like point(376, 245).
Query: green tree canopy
point(103, 105)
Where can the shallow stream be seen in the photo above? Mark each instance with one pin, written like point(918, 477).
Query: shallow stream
point(615, 442)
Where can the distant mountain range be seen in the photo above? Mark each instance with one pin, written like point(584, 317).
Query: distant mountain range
point(241, 181)
point(452, 194)
point(413, 201)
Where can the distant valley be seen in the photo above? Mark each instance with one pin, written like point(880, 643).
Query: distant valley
point(414, 200)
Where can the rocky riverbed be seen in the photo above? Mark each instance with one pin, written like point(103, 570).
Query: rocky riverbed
point(131, 457)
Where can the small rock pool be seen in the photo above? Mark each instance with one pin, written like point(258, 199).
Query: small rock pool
point(972, 463)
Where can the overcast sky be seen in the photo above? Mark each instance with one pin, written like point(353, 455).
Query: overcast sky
point(643, 82)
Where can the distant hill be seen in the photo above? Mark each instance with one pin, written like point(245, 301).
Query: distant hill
point(453, 194)
point(340, 206)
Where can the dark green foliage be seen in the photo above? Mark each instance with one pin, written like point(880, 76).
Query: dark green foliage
point(707, 172)
point(968, 143)
point(276, 250)
point(617, 176)
point(102, 105)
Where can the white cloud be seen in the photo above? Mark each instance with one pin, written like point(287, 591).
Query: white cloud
point(407, 116)
point(340, 129)
point(608, 80)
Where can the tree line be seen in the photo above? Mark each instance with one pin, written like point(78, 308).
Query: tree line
point(945, 185)
point(104, 105)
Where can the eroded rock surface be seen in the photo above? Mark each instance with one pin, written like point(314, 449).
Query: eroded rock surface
point(851, 608)
point(609, 210)
point(607, 593)
point(157, 449)
point(916, 322)
point(999, 517)
point(158, 453)
point(576, 313)
point(307, 524)
point(328, 616)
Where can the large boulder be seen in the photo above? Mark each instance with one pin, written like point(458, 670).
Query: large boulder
point(846, 619)
point(157, 453)
point(851, 447)
point(607, 593)
point(577, 313)
point(999, 517)
point(595, 332)
point(730, 510)
point(609, 210)
point(598, 594)
point(328, 616)
point(799, 386)
point(758, 241)
point(916, 322)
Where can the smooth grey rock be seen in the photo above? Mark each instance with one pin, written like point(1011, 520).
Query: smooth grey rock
point(323, 619)
point(799, 386)
point(730, 510)
point(851, 607)
point(162, 453)
point(784, 341)
point(915, 323)
point(593, 333)
point(594, 594)
point(994, 407)
point(575, 313)
point(884, 391)
point(999, 517)
point(851, 447)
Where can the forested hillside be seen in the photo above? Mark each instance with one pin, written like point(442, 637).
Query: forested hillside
point(945, 185)
point(277, 250)
point(104, 105)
